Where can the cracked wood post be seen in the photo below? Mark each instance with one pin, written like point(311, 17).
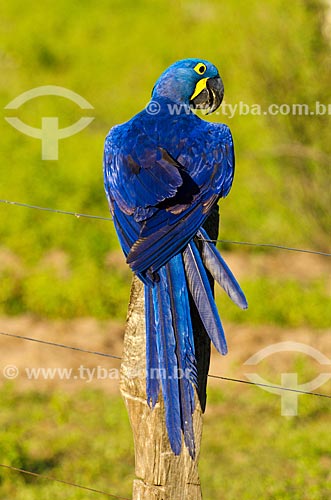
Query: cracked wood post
point(161, 475)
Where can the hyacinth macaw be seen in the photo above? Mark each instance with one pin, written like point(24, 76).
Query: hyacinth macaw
point(164, 170)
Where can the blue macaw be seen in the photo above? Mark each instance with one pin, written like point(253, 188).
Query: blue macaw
point(164, 171)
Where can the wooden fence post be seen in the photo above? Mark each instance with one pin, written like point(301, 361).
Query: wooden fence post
point(161, 475)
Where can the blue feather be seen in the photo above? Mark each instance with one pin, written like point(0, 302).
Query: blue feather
point(220, 271)
point(152, 362)
point(166, 348)
point(203, 297)
point(170, 336)
point(172, 236)
point(187, 372)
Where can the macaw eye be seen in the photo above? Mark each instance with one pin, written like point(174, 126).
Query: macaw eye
point(200, 68)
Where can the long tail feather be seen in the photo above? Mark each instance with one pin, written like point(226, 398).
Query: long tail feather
point(187, 372)
point(202, 295)
point(152, 362)
point(170, 350)
point(166, 348)
point(220, 271)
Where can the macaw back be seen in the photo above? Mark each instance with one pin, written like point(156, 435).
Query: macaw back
point(163, 174)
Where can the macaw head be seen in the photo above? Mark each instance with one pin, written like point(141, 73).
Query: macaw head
point(193, 82)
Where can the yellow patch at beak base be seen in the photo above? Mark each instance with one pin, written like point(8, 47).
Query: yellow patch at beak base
point(199, 87)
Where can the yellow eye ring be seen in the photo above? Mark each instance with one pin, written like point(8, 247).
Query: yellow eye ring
point(200, 68)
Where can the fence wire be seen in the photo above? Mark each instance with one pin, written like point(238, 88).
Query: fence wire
point(54, 344)
point(100, 217)
point(112, 356)
point(67, 483)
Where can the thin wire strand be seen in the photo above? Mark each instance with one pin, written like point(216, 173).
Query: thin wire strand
point(55, 210)
point(63, 346)
point(99, 217)
point(271, 245)
point(67, 483)
point(271, 386)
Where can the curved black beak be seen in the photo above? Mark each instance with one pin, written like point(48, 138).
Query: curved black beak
point(211, 96)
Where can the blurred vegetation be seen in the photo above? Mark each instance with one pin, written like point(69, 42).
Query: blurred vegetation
point(288, 458)
point(279, 301)
point(111, 54)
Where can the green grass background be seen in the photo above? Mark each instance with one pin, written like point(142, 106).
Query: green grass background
point(111, 53)
point(248, 449)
